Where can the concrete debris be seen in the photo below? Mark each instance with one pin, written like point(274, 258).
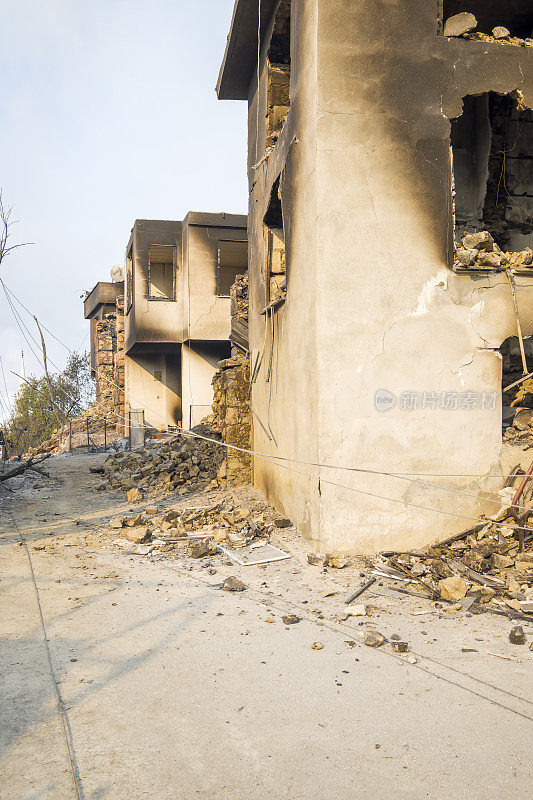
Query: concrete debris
point(479, 251)
point(291, 619)
point(139, 534)
point(460, 24)
point(202, 548)
point(517, 635)
point(336, 562)
point(315, 560)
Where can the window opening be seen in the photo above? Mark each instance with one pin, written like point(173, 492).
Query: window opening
point(276, 278)
point(232, 261)
point(161, 272)
point(279, 73)
point(492, 150)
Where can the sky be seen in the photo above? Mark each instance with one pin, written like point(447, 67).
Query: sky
point(108, 113)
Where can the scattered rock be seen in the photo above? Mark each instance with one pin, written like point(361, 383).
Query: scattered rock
point(291, 619)
point(232, 584)
point(478, 241)
point(134, 496)
point(317, 646)
point(282, 523)
point(131, 522)
point(517, 635)
point(400, 647)
point(373, 638)
point(116, 522)
point(460, 24)
point(315, 560)
point(139, 534)
point(202, 548)
point(453, 588)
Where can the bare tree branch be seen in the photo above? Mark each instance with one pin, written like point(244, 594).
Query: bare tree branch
point(5, 225)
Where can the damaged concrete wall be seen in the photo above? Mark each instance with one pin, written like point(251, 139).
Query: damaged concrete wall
point(153, 384)
point(382, 357)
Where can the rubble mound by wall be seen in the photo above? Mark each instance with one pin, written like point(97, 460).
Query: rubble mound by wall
point(480, 251)
point(179, 464)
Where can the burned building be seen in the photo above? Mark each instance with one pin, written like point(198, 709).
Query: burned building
point(177, 313)
point(382, 135)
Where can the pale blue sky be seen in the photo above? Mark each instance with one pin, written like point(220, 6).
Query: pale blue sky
point(108, 114)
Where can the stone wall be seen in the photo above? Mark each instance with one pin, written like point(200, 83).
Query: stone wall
point(232, 417)
point(119, 404)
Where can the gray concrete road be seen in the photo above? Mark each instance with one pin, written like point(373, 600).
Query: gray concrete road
point(175, 690)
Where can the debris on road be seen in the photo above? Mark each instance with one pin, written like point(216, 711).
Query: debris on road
point(233, 584)
point(373, 638)
point(291, 619)
point(517, 635)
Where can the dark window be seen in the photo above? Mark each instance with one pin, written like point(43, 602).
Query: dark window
point(232, 261)
point(161, 272)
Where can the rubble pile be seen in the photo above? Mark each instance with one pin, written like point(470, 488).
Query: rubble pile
point(198, 531)
point(480, 251)
point(180, 463)
point(487, 566)
point(520, 433)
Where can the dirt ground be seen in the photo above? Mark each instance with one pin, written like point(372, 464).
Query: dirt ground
point(174, 689)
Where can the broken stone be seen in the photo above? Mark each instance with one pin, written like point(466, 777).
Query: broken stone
point(373, 638)
point(460, 24)
point(453, 588)
point(139, 534)
point(150, 511)
point(315, 560)
point(131, 522)
point(134, 495)
point(355, 610)
point(400, 647)
point(116, 522)
point(466, 257)
point(492, 260)
point(291, 619)
point(282, 523)
point(336, 562)
point(202, 548)
point(232, 584)
point(517, 635)
point(500, 32)
point(501, 562)
point(478, 241)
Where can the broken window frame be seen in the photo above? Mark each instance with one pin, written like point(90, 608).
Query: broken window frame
point(274, 227)
point(239, 269)
point(172, 297)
